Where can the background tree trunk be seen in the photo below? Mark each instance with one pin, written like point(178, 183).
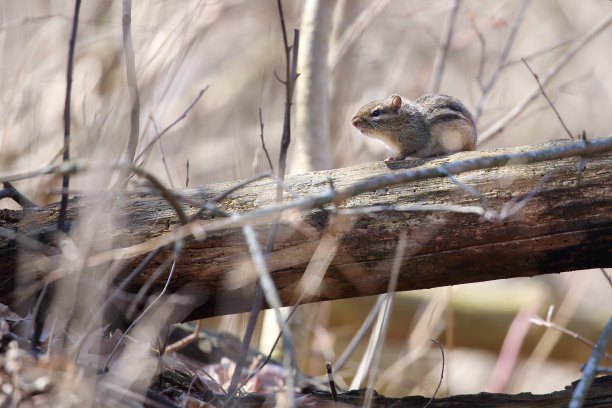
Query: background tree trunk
point(313, 150)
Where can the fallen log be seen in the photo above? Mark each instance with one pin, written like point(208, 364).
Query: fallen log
point(455, 235)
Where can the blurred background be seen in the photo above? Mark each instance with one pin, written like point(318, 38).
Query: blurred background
point(375, 49)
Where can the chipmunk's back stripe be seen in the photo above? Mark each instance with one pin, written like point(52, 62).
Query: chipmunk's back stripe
point(444, 115)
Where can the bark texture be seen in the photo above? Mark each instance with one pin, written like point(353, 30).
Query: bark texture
point(563, 227)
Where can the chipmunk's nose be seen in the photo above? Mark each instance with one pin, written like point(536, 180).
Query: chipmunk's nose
point(355, 120)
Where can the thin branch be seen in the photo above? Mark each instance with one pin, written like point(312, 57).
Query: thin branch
point(9, 191)
point(499, 126)
point(269, 355)
point(271, 294)
point(289, 87)
point(536, 54)
point(445, 39)
point(603, 370)
point(45, 296)
point(136, 299)
point(332, 383)
point(381, 335)
point(164, 191)
point(171, 125)
point(357, 27)
point(552, 325)
point(94, 320)
point(481, 60)
point(130, 66)
point(211, 205)
point(511, 207)
point(471, 190)
point(263, 143)
point(365, 326)
point(177, 250)
point(441, 375)
point(501, 60)
point(163, 156)
point(289, 83)
point(317, 266)
point(61, 220)
point(548, 99)
point(605, 274)
point(195, 335)
point(590, 369)
point(69, 167)
point(187, 173)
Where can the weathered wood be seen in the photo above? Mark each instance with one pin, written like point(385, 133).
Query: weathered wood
point(599, 396)
point(563, 227)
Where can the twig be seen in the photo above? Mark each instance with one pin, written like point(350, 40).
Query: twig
point(441, 375)
point(211, 205)
point(502, 59)
point(69, 167)
point(186, 340)
point(271, 294)
point(171, 125)
point(365, 326)
point(352, 33)
point(471, 190)
point(550, 324)
point(289, 82)
point(165, 192)
point(511, 207)
point(445, 39)
point(317, 266)
point(269, 355)
point(332, 384)
point(603, 370)
point(163, 157)
point(289, 87)
point(177, 250)
point(584, 384)
point(381, 335)
point(9, 191)
point(509, 353)
point(187, 173)
point(481, 60)
point(263, 143)
point(498, 126)
point(61, 219)
point(144, 288)
point(130, 67)
point(94, 320)
point(48, 290)
point(548, 99)
point(605, 274)
point(533, 55)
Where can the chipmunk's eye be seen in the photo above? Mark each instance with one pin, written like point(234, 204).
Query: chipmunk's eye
point(376, 112)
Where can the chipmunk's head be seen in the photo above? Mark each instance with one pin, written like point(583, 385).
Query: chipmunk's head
point(385, 120)
point(376, 117)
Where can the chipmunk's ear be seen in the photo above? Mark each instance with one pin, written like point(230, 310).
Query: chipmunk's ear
point(396, 103)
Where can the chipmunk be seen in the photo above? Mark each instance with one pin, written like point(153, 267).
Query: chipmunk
point(431, 125)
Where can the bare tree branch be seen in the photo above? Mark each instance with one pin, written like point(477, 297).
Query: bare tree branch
point(500, 124)
point(445, 39)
